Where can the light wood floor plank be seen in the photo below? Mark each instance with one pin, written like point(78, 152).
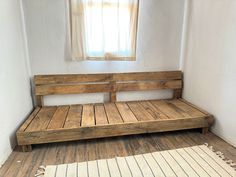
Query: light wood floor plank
point(72, 170)
point(83, 169)
point(61, 170)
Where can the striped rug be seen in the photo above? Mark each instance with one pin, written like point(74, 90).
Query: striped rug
point(194, 161)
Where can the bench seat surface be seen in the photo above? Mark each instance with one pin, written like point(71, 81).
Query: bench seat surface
point(74, 122)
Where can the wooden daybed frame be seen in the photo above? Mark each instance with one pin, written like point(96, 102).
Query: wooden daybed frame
point(49, 124)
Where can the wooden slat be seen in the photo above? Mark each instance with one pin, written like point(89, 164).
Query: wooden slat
point(144, 76)
point(140, 113)
point(172, 84)
point(79, 78)
point(74, 117)
point(71, 89)
point(110, 130)
point(59, 117)
point(112, 113)
point(126, 114)
point(42, 119)
point(154, 111)
point(100, 115)
point(29, 120)
point(186, 108)
point(88, 116)
point(169, 109)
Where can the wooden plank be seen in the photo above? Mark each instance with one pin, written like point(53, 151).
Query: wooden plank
point(60, 135)
point(135, 86)
point(71, 89)
point(112, 113)
point(79, 78)
point(100, 115)
point(39, 100)
point(29, 119)
point(140, 113)
point(169, 109)
point(42, 119)
point(74, 117)
point(126, 114)
point(154, 111)
point(186, 108)
point(88, 116)
point(59, 117)
point(145, 76)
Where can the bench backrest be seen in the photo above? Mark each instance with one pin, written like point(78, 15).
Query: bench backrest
point(109, 82)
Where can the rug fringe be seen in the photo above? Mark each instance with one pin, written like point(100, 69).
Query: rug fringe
point(221, 155)
point(40, 172)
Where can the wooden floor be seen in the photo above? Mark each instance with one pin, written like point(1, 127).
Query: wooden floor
point(21, 164)
point(63, 123)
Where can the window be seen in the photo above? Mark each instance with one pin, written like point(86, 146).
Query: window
point(104, 29)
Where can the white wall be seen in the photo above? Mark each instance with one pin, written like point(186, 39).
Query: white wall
point(15, 98)
point(210, 65)
point(159, 41)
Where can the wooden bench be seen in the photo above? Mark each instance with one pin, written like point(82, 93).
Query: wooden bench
point(49, 124)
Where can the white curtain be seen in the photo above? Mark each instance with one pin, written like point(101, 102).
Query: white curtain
point(103, 29)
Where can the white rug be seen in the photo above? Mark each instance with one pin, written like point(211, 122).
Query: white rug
point(198, 161)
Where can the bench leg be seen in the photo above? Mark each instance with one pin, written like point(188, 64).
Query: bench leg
point(26, 148)
point(205, 130)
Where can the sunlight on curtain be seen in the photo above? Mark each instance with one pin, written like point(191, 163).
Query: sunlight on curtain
point(104, 29)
